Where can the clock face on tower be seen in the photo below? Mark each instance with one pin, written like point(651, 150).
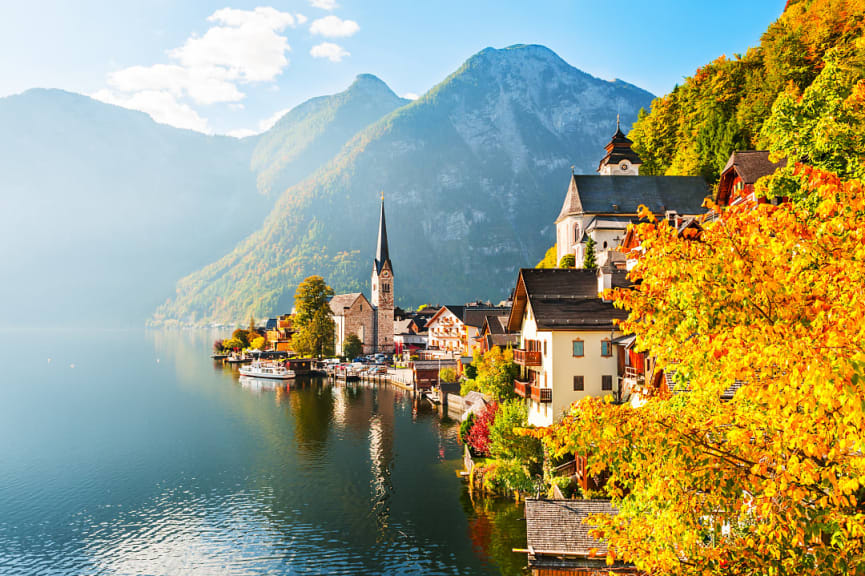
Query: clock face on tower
point(624, 166)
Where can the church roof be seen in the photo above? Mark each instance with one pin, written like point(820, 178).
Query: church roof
point(382, 254)
point(340, 302)
point(613, 195)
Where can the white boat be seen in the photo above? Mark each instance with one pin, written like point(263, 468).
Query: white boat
point(268, 370)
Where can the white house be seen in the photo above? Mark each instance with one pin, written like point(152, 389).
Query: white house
point(566, 331)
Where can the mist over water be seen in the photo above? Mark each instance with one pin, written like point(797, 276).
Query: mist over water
point(131, 452)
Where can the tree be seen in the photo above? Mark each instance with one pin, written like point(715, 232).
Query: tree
point(313, 320)
point(234, 343)
point(590, 261)
point(767, 298)
point(242, 336)
point(258, 343)
point(568, 261)
point(479, 433)
point(448, 375)
point(352, 347)
point(506, 444)
point(496, 371)
point(549, 259)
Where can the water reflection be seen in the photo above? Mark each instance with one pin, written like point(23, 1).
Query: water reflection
point(184, 467)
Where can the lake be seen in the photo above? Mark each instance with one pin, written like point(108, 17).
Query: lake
point(131, 452)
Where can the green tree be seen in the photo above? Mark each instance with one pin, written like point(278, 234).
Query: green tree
point(568, 261)
point(313, 320)
point(590, 261)
point(496, 371)
point(352, 347)
point(233, 344)
point(448, 375)
point(242, 336)
point(505, 444)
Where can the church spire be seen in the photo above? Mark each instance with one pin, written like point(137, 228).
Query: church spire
point(382, 255)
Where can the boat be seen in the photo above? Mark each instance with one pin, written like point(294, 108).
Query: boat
point(238, 359)
point(219, 356)
point(270, 371)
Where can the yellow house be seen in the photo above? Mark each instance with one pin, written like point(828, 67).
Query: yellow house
point(566, 331)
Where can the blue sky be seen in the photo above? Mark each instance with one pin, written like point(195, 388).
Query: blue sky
point(234, 66)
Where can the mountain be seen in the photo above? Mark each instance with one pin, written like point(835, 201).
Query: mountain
point(102, 209)
point(314, 132)
point(473, 173)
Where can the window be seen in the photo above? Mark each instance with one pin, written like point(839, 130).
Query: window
point(579, 384)
point(606, 348)
point(606, 382)
point(545, 348)
point(385, 288)
point(578, 348)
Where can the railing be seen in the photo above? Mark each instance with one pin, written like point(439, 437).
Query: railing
point(527, 357)
point(522, 389)
point(544, 395)
point(632, 374)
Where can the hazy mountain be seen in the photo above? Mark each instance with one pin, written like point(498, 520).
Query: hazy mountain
point(102, 209)
point(473, 173)
point(312, 133)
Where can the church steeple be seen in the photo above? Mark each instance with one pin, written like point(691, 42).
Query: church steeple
point(621, 160)
point(382, 256)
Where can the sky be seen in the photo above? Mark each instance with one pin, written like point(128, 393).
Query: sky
point(234, 67)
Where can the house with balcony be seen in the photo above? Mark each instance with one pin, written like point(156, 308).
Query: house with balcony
point(445, 330)
point(741, 173)
point(566, 333)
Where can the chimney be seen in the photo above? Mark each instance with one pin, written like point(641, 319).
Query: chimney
point(605, 280)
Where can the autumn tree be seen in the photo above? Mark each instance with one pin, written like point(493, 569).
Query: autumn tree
point(496, 371)
point(754, 464)
point(313, 320)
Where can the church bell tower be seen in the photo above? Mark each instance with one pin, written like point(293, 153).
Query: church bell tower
point(382, 289)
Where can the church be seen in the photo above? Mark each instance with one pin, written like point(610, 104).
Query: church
point(601, 206)
point(370, 320)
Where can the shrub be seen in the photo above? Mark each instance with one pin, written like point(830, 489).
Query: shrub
point(448, 375)
point(465, 426)
point(568, 261)
point(479, 433)
point(505, 444)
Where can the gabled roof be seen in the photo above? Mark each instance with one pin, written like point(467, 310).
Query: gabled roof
point(341, 301)
point(403, 326)
point(624, 195)
point(496, 324)
point(475, 316)
point(559, 526)
point(565, 299)
point(455, 310)
point(751, 165)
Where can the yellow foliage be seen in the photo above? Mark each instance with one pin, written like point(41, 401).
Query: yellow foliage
point(770, 482)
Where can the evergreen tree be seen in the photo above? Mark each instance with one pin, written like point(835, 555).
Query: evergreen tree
point(590, 262)
point(568, 261)
point(352, 347)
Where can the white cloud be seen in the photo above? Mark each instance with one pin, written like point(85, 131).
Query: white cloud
point(240, 47)
point(410, 96)
point(161, 105)
point(271, 120)
point(328, 5)
point(334, 27)
point(241, 133)
point(329, 50)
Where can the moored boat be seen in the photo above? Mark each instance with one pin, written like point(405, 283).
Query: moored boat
point(271, 371)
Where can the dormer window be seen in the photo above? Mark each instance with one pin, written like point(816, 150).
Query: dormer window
point(672, 218)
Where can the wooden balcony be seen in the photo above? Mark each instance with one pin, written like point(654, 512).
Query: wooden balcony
point(527, 357)
point(543, 395)
point(522, 389)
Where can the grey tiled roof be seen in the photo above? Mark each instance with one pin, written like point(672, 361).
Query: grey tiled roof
point(341, 301)
point(558, 526)
point(475, 316)
point(624, 194)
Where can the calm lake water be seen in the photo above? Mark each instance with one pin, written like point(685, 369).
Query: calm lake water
point(133, 453)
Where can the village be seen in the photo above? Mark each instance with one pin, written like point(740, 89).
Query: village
point(525, 361)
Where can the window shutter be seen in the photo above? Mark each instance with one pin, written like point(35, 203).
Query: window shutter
point(578, 384)
point(606, 382)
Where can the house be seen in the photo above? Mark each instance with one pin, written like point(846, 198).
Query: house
point(372, 321)
point(566, 332)
point(278, 332)
point(559, 543)
point(474, 316)
point(741, 172)
point(494, 332)
point(352, 314)
point(601, 206)
point(407, 336)
point(446, 329)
